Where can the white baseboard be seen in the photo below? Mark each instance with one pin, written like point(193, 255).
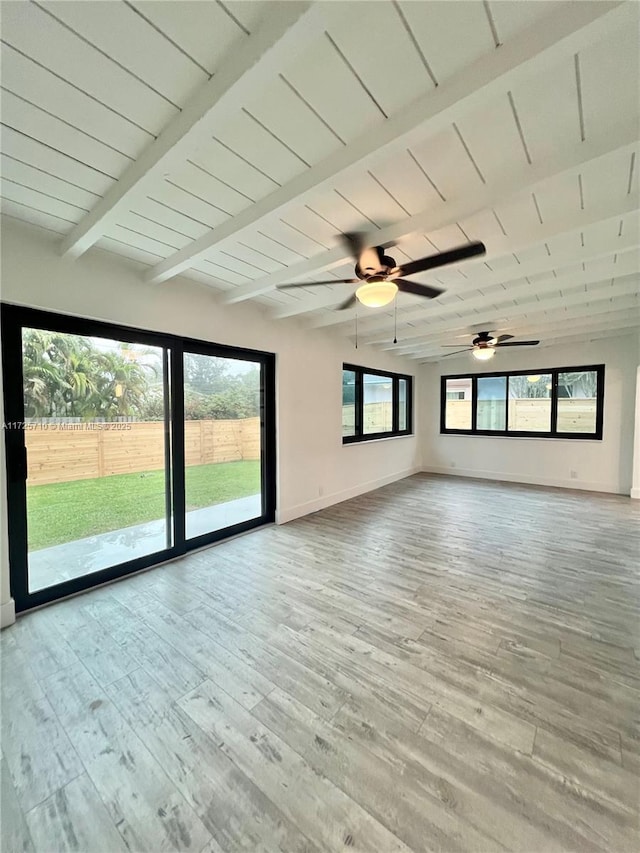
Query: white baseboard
point(635, 493)
point(528, 480)
point(7, 613)
point(289, 513)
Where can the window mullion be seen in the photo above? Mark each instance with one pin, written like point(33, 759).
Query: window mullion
point(506, 404)
point(474, 403)
point(554, 401)
point(395, 404)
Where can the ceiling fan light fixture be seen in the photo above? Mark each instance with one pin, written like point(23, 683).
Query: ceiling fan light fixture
point(483, 353)
point(376, 294)
point(534, 378)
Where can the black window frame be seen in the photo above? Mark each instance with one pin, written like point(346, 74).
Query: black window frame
point(599, 369)
point(395, 378)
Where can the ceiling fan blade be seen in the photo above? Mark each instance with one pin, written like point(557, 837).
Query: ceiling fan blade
point(318, 283)
point(365, 256)
point(417, 289)
point(348, 303)
point(443, 258)
point(353, 241)
point(468, 349)
point(519, 344)
point(501, 338)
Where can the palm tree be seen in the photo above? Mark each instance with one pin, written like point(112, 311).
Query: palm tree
point(44, 356)
point(66, 375)
point(123, 384)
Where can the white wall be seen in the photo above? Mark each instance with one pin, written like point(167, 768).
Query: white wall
point(314, 468)
point(598, 465)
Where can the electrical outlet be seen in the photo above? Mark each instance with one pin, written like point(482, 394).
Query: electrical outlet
point(573, 475)
point(320, 491)
point(452, 464)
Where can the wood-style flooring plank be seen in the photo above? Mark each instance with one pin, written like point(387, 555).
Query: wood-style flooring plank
point(39, 753)
point(411, 806)
point(147, 809)
point(15, 832)
point(73, 819)
point(316, 806)
point(232, 807)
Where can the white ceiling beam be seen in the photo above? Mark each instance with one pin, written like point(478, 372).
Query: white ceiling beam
point(506, 305)
point(580, 336)
point(372, 320)
point(567, 30)
point(286, 30)
point(582, 304)
point(539, 326)
point(486, 197)
point(627, 264)
point(588, 336)
point(627, 318)
point(305, 304)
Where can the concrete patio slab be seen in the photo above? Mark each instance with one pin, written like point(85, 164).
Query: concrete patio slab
point(59, 563)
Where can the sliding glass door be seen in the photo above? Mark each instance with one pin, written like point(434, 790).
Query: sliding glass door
point(126, 448)
point(222, 442)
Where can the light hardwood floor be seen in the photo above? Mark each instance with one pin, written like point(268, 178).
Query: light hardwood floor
point(438, 665)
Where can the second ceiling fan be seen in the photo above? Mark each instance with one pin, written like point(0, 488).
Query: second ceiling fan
point(379, 277)
point(483, 347)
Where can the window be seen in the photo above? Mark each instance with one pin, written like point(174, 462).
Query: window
point(578, 401)
point(374, 404)
point(491, 412)
point(564, 402)
point(403, 404)
point(348, 402)
point(378, 404)
point(530, 403)
point(457, 412)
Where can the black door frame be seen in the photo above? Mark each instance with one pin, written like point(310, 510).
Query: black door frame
point(13, 320)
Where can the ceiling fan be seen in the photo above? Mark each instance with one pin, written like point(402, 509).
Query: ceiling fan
point(484, 346)
point(382, 279)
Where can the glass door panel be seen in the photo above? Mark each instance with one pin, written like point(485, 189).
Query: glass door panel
point(222, 442)
point(97, 440)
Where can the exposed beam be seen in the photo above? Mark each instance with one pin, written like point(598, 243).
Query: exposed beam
point(582, 335)
point(328, 299)
point(286, 29)
point(373, 320)
point(567, 30)
point(533, 179)
point(626, 292)
point(506, 305)
point(627, 264)
point(618, 318)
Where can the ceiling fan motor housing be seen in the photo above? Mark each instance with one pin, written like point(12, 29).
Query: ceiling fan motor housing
point(484, 339)
point(386, 264)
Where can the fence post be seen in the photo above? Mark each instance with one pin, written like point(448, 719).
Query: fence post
point(100, 435)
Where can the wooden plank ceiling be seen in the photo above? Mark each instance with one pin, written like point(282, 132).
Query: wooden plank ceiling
point(231, 142)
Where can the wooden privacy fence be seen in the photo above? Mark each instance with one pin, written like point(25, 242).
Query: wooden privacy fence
point(83, 451)
point(532, 415)
point(377, 417)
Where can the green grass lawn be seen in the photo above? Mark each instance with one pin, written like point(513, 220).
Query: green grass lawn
point(63, 512)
